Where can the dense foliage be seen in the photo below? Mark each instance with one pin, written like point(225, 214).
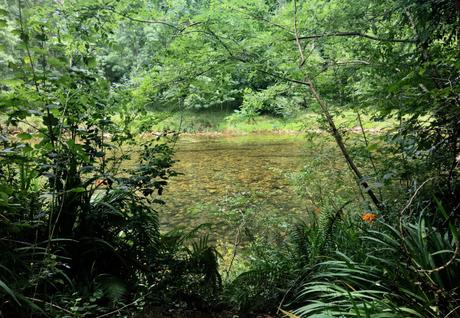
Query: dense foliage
point(80, 235)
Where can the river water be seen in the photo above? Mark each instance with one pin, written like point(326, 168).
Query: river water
point(227, 180)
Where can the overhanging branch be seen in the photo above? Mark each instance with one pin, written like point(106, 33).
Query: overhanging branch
point(126, 16)
point(353, 34)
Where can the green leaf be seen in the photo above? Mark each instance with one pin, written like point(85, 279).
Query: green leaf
point(11, 82)
point(56, 112)
point(3, 199)
point(55, 62)
point(9, 291)
point(24, 136)
point(5, 188)
point(372, 147)
point(457, 65)
point(78, 190)
point(91, 62)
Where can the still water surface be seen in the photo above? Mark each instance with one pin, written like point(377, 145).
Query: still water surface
point(218, 169)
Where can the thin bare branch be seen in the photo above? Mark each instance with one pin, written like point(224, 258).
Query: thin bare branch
point(339, 140)
point(352, 34)
point(126, 16)
point(297, 40)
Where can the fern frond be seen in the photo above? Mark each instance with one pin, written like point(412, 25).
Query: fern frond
point(113, 287)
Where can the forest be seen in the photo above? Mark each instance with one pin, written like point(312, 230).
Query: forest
point(229, 158)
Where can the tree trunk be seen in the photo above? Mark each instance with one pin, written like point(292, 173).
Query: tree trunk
point(339, 140)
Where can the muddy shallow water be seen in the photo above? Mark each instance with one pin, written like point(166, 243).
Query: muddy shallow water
point(218, 169)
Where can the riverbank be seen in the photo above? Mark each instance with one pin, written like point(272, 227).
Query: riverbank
point(224, 123)
point(215, 123)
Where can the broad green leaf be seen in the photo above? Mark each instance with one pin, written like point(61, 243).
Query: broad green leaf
point(24, 136)
point(78, 190)
point(8, 290)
